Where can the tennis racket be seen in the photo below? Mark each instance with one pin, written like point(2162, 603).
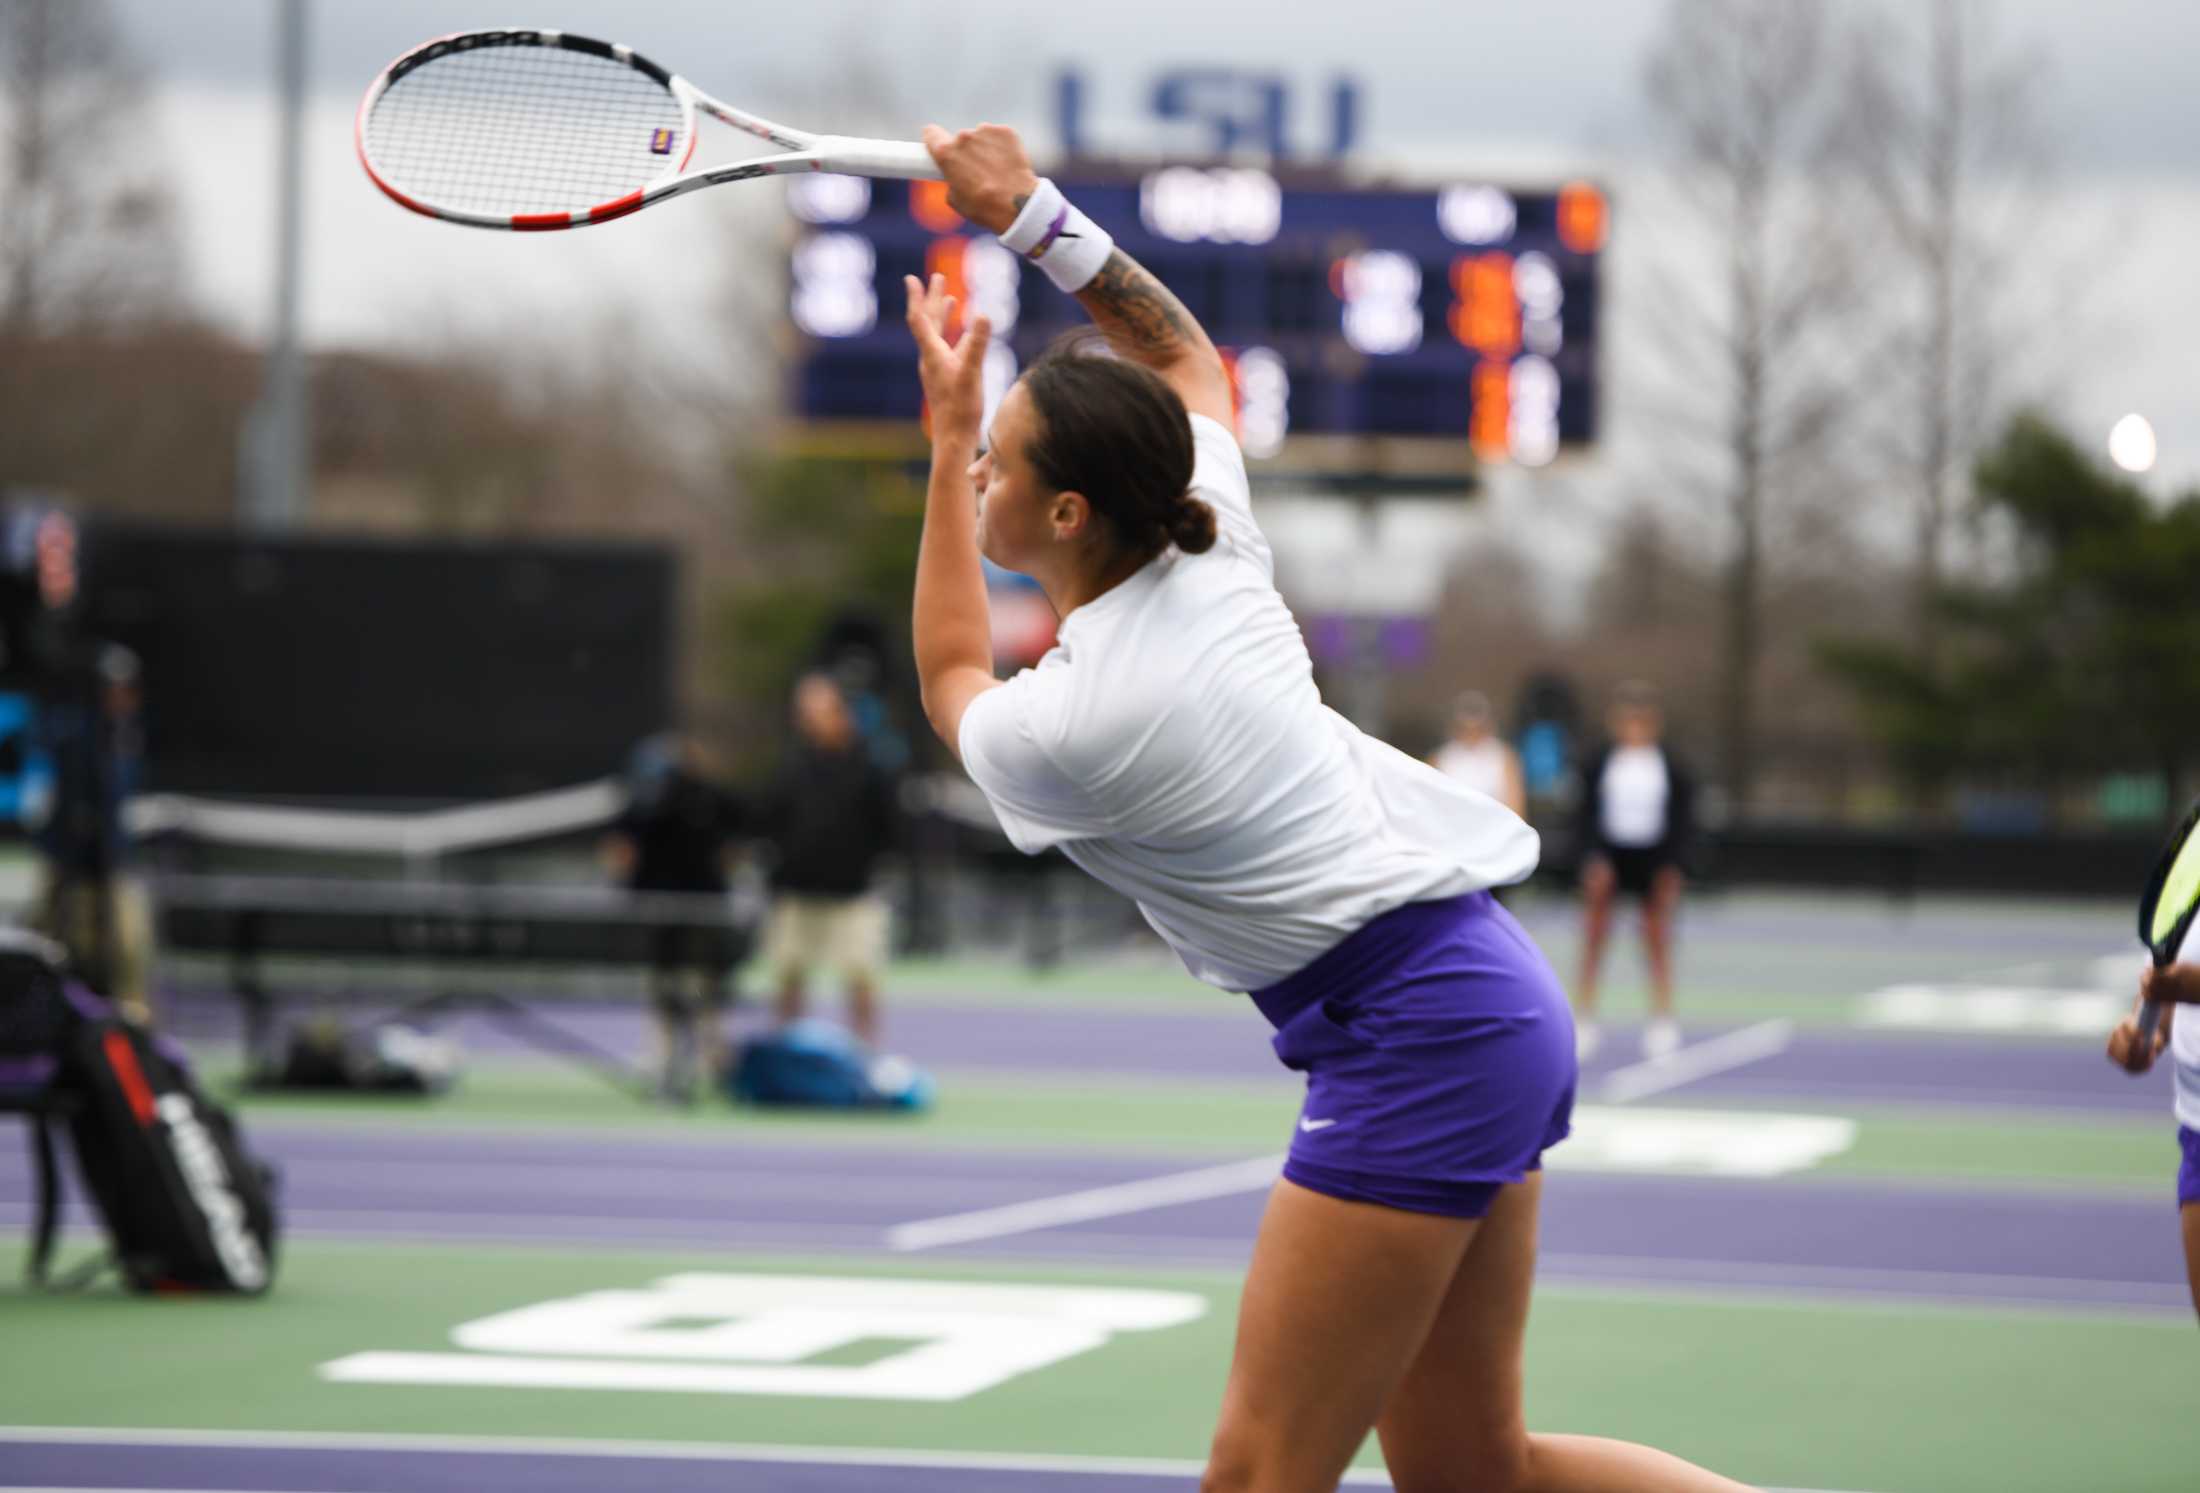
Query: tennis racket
point(2166, 912)
point(543, 129)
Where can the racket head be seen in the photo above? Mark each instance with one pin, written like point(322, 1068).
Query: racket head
point(524, 129)
point(2172, 897)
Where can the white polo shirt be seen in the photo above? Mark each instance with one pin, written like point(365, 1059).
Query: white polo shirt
point(1480, 767)
point(2184, 1052)
point(1634, 795)
point(1174, 746)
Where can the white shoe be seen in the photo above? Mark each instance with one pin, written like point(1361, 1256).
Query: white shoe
point(1586, 1041)
point(1660, 1040)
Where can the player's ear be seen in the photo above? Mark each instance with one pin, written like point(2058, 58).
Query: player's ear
point(1070, 515)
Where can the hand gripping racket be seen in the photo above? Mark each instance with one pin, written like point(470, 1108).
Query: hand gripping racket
point(2166, 912)
point(542, 129)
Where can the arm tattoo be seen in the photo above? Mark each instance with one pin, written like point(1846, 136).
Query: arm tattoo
point(1139, 315)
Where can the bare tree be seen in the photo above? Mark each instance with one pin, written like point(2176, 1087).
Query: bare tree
point(1944, 137)
point(1744, 91)
point(88, 236)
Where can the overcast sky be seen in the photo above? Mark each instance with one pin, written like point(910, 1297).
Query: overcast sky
point(1459, 72)
point(1517, 90)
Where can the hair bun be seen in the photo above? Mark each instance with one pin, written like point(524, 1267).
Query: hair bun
point(1192, 526)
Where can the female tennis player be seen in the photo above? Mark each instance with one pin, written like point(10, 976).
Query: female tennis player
point(2178, 984)
point(1173, 744)
point(1637, 819)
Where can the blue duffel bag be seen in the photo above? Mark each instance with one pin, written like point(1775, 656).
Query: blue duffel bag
point(822, 1066)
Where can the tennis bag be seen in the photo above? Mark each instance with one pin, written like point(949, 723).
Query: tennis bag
point(36, 1017)
point(817, 1065)
point(187, 1207)
point(36, 1023)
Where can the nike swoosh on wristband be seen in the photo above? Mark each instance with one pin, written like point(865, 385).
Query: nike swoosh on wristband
point(1315, 1124)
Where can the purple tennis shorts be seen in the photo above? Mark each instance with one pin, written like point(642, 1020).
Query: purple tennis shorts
point(2188, 1174)
point(1439, 1058)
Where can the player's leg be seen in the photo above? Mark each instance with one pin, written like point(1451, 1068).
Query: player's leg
point(707, 979)
point(2190, 1215)
point(78, 924)
point(787, 954)
point(1599, 884)
point(859, 947)
point(668, 1010)
point(1337, 1301)
point(2188, 1208)
point(132, 921)
point(1660, 910)
point(1455, 1423)
point(863, 1008)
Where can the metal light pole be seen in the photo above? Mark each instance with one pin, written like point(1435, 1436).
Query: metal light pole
point(277, 466)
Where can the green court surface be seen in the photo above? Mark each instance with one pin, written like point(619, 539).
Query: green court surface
point(1968, 1284)
point(2110, 1153)
point(1795, 1393)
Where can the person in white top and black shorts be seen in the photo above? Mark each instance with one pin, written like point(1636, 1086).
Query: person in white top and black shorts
point(1475, 756)
point(1637, 823)
point(1173, 745)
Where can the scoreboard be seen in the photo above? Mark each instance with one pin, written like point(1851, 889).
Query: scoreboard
point(1367, 328)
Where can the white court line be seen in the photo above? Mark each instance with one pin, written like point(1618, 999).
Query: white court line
point(675, 1451)
point(1721, 1054)
point(1643, 1079)
point(695, 1451)
point(1956, 1290)
point(1082, 1207)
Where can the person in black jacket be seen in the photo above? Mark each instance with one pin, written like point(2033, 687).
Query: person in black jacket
point(87, 900)
point(1637, 807)
point(831, 817)
point(675, 836)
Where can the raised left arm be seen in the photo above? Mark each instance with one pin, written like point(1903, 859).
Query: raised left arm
point(950, 624)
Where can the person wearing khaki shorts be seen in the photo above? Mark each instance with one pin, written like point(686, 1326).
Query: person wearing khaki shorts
point(831, 817)
point(843, 936)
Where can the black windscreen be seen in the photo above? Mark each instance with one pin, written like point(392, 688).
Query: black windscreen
point(340, 667)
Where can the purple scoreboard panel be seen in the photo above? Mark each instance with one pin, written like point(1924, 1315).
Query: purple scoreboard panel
point(1354, 317)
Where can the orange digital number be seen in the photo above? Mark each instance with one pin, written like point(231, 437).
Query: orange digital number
point(944, 257)
point(928, 205)
point(1583, 217)
point(1489, 429)
point(1486, 314)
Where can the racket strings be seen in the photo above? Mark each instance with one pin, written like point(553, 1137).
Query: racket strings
point(511, 130)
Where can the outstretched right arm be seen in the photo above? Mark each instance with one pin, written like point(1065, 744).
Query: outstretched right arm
point(1145, 322)
point(990, 181)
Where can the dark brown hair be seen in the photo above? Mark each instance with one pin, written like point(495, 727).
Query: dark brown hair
point(1117, 433)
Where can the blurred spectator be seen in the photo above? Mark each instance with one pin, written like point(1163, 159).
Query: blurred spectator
point(86, 899)
point(831, 816)
point(675, 836)
point(1637, 822)
point(1478, 757)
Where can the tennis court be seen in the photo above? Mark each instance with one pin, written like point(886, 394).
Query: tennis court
point(1271, 491)
point(1888, 1223)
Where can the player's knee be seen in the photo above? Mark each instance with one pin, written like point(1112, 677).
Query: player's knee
point(1503, 1462)
point(1236, 1463)
point(1491, 1459)
point(1229, 1474)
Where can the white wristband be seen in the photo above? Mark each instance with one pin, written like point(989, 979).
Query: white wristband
point(1065, 244)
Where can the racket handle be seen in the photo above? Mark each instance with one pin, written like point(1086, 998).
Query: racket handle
point(903, 160)
point(2150, 1017)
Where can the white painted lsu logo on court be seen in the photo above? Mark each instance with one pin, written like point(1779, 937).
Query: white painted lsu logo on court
point(756, 1335)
